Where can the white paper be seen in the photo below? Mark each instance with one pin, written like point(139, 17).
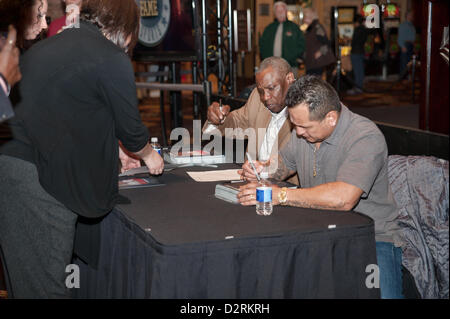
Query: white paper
point(215, 176)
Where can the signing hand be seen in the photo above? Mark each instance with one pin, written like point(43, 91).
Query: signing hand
point(215, 115)
point(247, 172)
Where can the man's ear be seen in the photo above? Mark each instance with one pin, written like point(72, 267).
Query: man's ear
point(290, 78)
point(332, 118)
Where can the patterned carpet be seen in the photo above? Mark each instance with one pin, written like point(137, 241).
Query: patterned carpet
point(388, 101)
point(384, 93)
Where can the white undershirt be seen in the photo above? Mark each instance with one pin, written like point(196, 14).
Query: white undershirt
point(278, 42)
point(271, 136)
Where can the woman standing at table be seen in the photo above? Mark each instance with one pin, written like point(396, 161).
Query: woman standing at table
point(78, 98)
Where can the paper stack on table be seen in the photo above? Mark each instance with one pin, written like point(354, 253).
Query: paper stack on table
point(215, 176)
point(228, 191)
point(194, 157)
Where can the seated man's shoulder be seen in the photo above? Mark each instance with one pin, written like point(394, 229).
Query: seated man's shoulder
point(254, 100)
point(360, 127)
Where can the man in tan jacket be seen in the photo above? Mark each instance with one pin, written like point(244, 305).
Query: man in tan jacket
point(264, 113)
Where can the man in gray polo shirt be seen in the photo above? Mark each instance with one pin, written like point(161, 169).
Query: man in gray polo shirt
point(341, 160)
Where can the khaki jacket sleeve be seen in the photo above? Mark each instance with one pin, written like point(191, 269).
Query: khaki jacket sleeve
point(239, 118)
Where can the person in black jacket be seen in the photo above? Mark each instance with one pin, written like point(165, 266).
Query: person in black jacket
point(318, 53)
point(78, 100)
point(357, 56)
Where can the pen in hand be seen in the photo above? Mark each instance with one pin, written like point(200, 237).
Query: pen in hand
point(253, 167)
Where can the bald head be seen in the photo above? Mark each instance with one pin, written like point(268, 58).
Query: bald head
point(276, 63)
point(280, 11)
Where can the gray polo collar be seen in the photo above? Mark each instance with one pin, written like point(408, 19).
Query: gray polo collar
point(341, 126)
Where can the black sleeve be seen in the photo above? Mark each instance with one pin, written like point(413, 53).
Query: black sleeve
point(117, 83)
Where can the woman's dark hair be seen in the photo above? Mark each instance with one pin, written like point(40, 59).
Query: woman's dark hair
point(319, 95)
point(117, 19)
point(359, 18)
point(18, 13)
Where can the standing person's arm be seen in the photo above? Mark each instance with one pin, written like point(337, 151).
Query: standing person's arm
point(321, 36)
point(127, 160)
point(119, 88)
point(401, 37)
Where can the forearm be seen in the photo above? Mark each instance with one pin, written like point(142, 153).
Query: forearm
point(282, 172)
point(152, 159)
point(145, 152)
point(333, 196)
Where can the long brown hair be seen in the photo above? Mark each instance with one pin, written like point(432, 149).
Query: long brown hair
point(19, 13)
point(118, 20)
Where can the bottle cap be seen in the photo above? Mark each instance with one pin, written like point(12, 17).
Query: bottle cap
point(154, 140)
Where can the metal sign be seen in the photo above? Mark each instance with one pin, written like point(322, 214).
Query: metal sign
point(155, 21)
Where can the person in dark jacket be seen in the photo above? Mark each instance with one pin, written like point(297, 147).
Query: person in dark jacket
point(357, 56)
point(78, 100)
point(282, 38)
point(318, 51)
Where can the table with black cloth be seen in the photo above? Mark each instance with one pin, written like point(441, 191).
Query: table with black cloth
point(179, 241)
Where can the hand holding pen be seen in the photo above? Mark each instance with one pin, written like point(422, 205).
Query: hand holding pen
point(251, 169)
point(217, 113)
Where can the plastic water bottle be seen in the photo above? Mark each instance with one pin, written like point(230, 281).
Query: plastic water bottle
point(155, 145)
point(264, 196)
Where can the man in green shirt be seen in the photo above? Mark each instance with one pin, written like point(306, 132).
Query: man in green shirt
point(282, 38)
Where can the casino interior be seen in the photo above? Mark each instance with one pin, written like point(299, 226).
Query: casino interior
point(193, 53)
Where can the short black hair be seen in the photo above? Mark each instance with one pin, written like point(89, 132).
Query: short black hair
point(319, 95)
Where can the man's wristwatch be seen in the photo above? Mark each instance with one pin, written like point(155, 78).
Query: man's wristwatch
point(282, 196)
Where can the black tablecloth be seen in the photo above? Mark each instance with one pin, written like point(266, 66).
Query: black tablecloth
point(179, 241)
